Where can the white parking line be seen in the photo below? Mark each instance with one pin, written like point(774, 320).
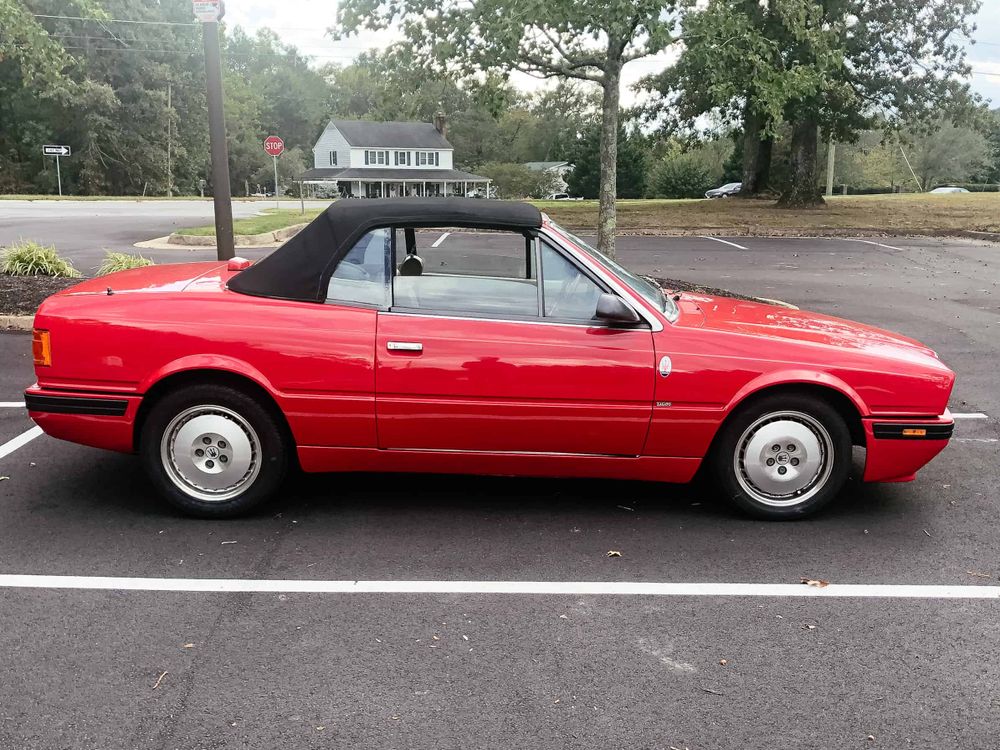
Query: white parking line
point(969, 415)
point(11, 404)
point(441, 239)
point(558, 588)
point(724, 242)
point(869, 242)
point(21, 440)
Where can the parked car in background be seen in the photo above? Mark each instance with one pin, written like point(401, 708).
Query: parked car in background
point(561, 197)
point(730, 188)
point(365, 343)
point(948, 189)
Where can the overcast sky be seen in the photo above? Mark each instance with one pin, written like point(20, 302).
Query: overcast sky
point(303, 23)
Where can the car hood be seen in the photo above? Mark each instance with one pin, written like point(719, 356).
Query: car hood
point(778, 322)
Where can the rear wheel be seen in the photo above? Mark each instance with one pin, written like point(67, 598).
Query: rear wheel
point(213, 451)
point(783, 456)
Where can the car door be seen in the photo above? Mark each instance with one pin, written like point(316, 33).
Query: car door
point(471, 357)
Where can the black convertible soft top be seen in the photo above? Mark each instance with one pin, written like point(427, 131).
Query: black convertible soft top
point(301, 268)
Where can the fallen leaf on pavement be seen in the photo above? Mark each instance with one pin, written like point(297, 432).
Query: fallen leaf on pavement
point(232, 542)
point(723, 662)
point(159, 680)
point(188, 645)
point(978, 574)
point(614, 553)
point(815, 582)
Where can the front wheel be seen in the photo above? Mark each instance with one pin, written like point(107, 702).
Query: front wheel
point(783, 456)
point(213, 451)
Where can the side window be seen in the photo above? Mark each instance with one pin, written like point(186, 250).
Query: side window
point(479, 273)
point(361, 275)
point(569, 292)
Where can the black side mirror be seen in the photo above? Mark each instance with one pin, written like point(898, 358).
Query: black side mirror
point(614, 309)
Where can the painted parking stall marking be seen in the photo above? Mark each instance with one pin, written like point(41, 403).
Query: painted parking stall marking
point(21, 440)
point(442, 238)
point(969, 415)
point(11, 404)
point(552, 588)
point(724, 242)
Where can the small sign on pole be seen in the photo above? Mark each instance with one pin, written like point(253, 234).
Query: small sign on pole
point(274, 146)
point(207, 11)
point(57, 151)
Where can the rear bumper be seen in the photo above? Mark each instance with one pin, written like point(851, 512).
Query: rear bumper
point(898, 448)
point(95, 419)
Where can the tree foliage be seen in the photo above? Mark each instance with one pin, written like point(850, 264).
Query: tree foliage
point(587, 40)
point(840, 65)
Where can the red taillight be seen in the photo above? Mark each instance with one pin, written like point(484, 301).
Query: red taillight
point(41, 347)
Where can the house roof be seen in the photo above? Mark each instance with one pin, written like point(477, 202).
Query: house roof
point(383, 173)
point(541, 166)
point(301, 268)
point(390, 134)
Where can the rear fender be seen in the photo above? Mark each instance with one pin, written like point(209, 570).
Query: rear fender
point(207, 362)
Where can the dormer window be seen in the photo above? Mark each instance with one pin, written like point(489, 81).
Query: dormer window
point(333, 158)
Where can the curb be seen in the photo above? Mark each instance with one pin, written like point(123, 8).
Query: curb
point(265, 239)
point(16, 322)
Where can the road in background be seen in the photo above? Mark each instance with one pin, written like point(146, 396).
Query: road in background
point(166, 670)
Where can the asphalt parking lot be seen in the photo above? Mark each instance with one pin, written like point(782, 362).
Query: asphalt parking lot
point(279, 669)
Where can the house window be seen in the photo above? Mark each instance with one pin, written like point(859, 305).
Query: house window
point(421, 158)
point(402, 158)
point(333, 158)
point(381, 157)
point(437, 159)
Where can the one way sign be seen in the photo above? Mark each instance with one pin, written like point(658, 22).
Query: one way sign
point(56, 150)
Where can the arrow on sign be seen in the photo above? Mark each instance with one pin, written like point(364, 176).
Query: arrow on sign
point(56, 150)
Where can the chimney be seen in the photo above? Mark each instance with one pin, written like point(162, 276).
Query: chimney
point(441, 123)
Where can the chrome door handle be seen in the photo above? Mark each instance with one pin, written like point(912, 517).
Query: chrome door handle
point(404, 346)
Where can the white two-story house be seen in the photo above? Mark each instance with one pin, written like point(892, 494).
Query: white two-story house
point(390, 159)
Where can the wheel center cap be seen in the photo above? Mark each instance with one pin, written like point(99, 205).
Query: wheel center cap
point(212, 452)
point(782, 458)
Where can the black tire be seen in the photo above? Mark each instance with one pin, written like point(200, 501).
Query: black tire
point(268, 454)
point(744, 448)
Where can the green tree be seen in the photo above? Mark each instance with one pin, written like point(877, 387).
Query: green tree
point(566, 39)
point(513, 181)
point(586, 178)
point(838, 65)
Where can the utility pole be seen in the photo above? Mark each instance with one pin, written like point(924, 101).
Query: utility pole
point(209, 14)
point(831, 158)
point(170, 119)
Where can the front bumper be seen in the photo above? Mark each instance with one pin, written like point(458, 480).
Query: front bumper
point(898, 448)
point(99, 420)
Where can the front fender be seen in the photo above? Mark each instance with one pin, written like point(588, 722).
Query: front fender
point(798, 376)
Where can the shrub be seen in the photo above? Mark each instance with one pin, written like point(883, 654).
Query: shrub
point(26, 258)
point(114, 262)
point(679, 176)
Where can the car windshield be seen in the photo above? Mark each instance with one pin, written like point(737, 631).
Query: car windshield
point(645, 288)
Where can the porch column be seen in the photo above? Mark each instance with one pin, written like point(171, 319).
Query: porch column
point(465, 188)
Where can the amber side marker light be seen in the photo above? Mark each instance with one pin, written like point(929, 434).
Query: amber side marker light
point(41, 347)
point(915, 432)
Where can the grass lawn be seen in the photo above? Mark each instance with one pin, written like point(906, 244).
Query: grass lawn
point(271, 220)
point(890, 214)
point(860, 214)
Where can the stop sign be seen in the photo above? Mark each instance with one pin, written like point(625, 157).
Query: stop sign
point(273, 145)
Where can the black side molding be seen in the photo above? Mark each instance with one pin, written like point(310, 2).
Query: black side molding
point(104, 407)
point(930, 431)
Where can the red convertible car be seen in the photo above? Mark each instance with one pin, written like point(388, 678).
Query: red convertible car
point(370, 343)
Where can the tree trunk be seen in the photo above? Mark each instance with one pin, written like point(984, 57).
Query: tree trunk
point(607, 220)
point(756, 155)
point(803, 187)
point(764, 164)
point(751, 151)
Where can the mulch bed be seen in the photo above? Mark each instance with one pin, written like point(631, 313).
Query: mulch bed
point(676, 285)
point(21, 295)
